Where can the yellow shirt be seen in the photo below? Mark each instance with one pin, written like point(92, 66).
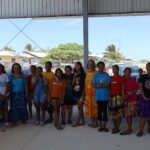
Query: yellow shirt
point(49, 75)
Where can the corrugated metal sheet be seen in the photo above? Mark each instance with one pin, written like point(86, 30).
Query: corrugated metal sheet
point(109, 7)
point(50, 8)
point(39, 8)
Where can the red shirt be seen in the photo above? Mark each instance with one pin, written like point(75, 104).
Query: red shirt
point(116, 85)
point(130, 85)
point(29, 83)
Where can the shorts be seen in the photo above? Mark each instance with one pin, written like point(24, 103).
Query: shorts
point(40, 98)
point(3, 103)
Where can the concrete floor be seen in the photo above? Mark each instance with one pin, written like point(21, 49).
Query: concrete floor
point(30, 137)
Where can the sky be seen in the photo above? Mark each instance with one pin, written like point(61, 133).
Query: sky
point(131, 35)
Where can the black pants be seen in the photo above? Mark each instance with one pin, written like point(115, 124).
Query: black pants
point(102, 114)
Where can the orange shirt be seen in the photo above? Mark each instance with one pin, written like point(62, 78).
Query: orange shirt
point(57, 88)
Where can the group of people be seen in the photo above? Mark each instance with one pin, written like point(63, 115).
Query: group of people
point(57, 93)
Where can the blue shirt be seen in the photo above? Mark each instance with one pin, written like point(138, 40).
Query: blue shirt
point(102, 94)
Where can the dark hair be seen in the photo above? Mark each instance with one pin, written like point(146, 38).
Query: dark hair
point(100, 62)
point(92, 62)
point(33, 66)
point(14, 66)
point(115, 66)
point(140, 69)
point(82, 69)
point(49, 63)
point(127, 68)
point(148, 63)
point(68, 67)
point(3, 68)
point(40, 68)
point(62, 74)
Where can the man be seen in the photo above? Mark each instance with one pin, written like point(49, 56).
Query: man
point(49, 75)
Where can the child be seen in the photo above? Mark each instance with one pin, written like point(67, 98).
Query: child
point(69, 96)
point(40, 93)
point(56, 95)
point(4, 94)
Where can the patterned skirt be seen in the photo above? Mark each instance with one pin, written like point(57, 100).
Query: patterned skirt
point(116, 108)
point(18, 110)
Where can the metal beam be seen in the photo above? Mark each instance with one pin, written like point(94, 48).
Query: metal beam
point(85, 31)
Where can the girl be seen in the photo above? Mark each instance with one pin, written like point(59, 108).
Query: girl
point(101, 82)
point(18, 110)
point(91, 106)
point(78, 82)
point(40, 93)
point(56, 95)
point(130, 89)
point(69, 96)
point(144, 100)
point(116, 98)
point(4, 94)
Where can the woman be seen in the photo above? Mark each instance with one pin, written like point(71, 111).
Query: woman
point(144, 100)
point(40, 84)
point(78, 82)
point(56, 95)
point(18, 110)
point(116, 99)
point(67, 106)
point(91, 106)
point(130, 89)
point(101, 82)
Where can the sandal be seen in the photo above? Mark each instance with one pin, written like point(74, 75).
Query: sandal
point(139, 134)
point(75, 124)
point(59, 128)
point(126, 132)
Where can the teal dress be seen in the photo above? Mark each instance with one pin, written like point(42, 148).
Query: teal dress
point(18, 110)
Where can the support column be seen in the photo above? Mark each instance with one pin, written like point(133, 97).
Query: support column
point(85, 31)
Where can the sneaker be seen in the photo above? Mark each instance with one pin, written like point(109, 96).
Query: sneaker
point(100, 129)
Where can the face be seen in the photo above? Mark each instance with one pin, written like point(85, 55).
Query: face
point(16, 69)
point(115, 70)
point(127, 73)
point(148, 68)
point(77, 67)
point(39, 72)
point(90, 65)
point(101, 67)
point(58, 73)
point(48, 67)
point(68, 71)
point(32, 70)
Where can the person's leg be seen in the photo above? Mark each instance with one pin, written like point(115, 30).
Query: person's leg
point(141, 127)
point(37, 106)
point(70, 111)
point(105, 115)
point(99, 116)
point(148, 125)
point(43, 112)
point(30, 106)
point(55, 104)
point(63, 114)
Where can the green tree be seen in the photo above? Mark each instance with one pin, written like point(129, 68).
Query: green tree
point(65, 53)
point(9, 49)
point(29, 47)
point(112, 53)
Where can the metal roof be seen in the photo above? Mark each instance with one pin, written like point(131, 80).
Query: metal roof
point(63, 8)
